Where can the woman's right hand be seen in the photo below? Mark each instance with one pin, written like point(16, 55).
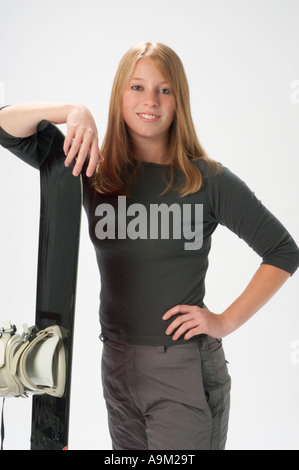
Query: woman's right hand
point(21, 120)
point(81, 138)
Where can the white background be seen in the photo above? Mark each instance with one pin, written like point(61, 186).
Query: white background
point(241, 57)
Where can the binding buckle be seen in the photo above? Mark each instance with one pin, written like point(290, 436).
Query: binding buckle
point(28, 334)
point(7, 329)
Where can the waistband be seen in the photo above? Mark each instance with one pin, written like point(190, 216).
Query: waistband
point(203, 341)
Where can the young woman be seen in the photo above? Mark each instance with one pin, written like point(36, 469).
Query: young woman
point(153, 199)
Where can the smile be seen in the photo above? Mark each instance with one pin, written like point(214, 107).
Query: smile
point(148, 117)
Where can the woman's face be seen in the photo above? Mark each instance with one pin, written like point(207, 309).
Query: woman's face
point(148, 104)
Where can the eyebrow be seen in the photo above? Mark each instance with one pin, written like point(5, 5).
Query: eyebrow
point(143, 79)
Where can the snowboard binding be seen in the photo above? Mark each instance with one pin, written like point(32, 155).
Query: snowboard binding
point(33, 363)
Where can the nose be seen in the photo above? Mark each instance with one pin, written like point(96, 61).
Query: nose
point(151, 99)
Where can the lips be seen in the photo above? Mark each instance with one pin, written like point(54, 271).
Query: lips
point(147, 117)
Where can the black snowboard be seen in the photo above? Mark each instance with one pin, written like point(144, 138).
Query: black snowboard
point(60, 216)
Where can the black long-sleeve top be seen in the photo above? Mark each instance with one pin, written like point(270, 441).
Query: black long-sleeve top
point(152, 250)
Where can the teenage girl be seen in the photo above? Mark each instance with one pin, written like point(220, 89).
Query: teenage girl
point(164, 373)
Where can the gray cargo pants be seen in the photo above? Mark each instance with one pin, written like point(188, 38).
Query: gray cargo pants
point(166, 398)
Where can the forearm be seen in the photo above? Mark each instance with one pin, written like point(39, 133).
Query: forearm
point(193, 320)
point(21, 120)
point(264, 284)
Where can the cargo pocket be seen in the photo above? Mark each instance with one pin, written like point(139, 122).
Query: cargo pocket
point(217, 384)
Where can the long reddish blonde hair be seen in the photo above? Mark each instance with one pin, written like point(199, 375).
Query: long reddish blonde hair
point(120, 164)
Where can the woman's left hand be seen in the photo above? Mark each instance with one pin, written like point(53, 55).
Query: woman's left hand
point(194, 321)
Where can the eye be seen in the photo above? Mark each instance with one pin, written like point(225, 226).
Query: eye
point(136, 87)
point(164, 91)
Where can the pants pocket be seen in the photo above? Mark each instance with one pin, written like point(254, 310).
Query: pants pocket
point(215, 363)
point(217, 385)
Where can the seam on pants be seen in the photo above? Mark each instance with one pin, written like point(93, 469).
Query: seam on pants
point(132, 379)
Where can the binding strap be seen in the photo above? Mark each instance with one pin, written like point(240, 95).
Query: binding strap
point(33, 363)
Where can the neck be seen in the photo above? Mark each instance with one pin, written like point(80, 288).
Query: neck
point(151, 151)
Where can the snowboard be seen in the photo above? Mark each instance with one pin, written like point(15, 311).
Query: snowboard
point(59, 233)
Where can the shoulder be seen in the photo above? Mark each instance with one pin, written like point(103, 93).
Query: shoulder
point(210, 169)
point(220, 183)
point(215, 172)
